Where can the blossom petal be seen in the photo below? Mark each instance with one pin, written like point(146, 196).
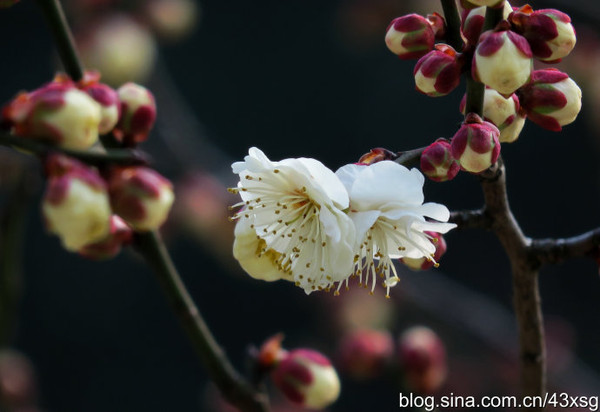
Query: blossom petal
point(349, 173)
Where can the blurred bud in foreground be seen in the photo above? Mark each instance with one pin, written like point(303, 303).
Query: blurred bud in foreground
point(307, 378)
point(423, 263)
point(172, 19)
point(437, 162)
point(364, 354)
point(138, 113)
point(438, 72)
point(17, 381)
point(106, 97)
point(120, 234)
point(119, 48)
point(57, 112)
point(377, 155)
point(423, 360)
point(412, 36)
point(75, 204)
point(502, 61)
point(475, 145)
point(141, 196)
point(551, 100)
point(503, 112)
point(549, 32)
point(271, 352)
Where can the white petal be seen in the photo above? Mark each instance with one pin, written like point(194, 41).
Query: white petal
point(363, 222)
point(435, 211)
point(331, 184)
point(348, 174)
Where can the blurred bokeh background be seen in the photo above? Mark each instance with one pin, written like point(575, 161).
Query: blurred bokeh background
point(294, 78)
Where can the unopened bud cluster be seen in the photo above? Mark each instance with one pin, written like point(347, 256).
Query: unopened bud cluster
point(92, 211)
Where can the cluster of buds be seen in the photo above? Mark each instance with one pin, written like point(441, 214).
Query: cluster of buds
point(94, 215)
point(72, 115)
point(304, 376)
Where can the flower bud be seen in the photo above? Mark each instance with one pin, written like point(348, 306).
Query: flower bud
point(110, 246)
point(76, 205)
point(410, 37)
point(141, 196)
point(423, 359)
point(502, 112)
point(475, 145)
point(271, 352)
point(549, 32)
point(57, 112)
point(7, 3)
point(172, 19)
point(254, 257)
point(106, 97)
point(424, 263)
point(502, 61)
point(377, 155)
point(551, 100)
point(138, 113)
point(438, 72)
point(473, 19)
point(307, 378)
point(18, 388)
point(364, 353)
point(437, 162)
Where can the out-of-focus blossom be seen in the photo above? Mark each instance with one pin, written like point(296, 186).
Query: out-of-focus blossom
point(364, 353)
point(423, 360)
point(138, 114)
point(18, 388)
point(120, 234)
point(172, 19)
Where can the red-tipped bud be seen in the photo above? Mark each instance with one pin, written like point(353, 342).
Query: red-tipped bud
point(437, 162)
point(438, 72)
point(271, 352)
point(141, 196)
point(76, 205)
point(502, 61)
point(17, 381)
point(423, 359)
point(475, 145)
point(412, 36)
point(551, 100)
point(57, 112)
point(138, 113)
point(473, 19)
point(503, 112)
point(7, 3)
point(549, 32)
point(307, 378)
point(363, 354)
point(377, 155)
point(120, 234)
point(424, 263)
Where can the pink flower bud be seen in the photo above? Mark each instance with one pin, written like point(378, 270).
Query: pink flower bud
point(7, 3)
point(76, 205)
point(138, 113)
point(57, 112)
point(307, 378)
point(363, 354)
point(473, 19)
point(109, 247)
point(549, 32)
point(503, 112)
point(423, 263)
point(410, 37)
point(377, 155)
point(551, 100)
point(106, 97)
point(141, 196)
point(437, 162)
point(476, 144)
point(438, 72)
point(271, 352)
point(502, 61)
point(423, 358)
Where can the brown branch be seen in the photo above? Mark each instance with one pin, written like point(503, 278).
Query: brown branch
point(558, 250)
point(471, 219)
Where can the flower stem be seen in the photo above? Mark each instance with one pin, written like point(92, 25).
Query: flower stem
point(63, 37)
point(232, 385)
point(121, 157)
point(453, 37)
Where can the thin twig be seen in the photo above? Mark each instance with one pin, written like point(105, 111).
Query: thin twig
point(121, 157)
point(558, 250)
point(471, 219)
point(410, 158)
point(233, 386)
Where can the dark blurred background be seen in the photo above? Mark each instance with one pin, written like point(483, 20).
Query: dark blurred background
point(295, 78)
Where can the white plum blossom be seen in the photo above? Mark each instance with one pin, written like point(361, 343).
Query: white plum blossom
point(296, 207)
point(386, 206)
